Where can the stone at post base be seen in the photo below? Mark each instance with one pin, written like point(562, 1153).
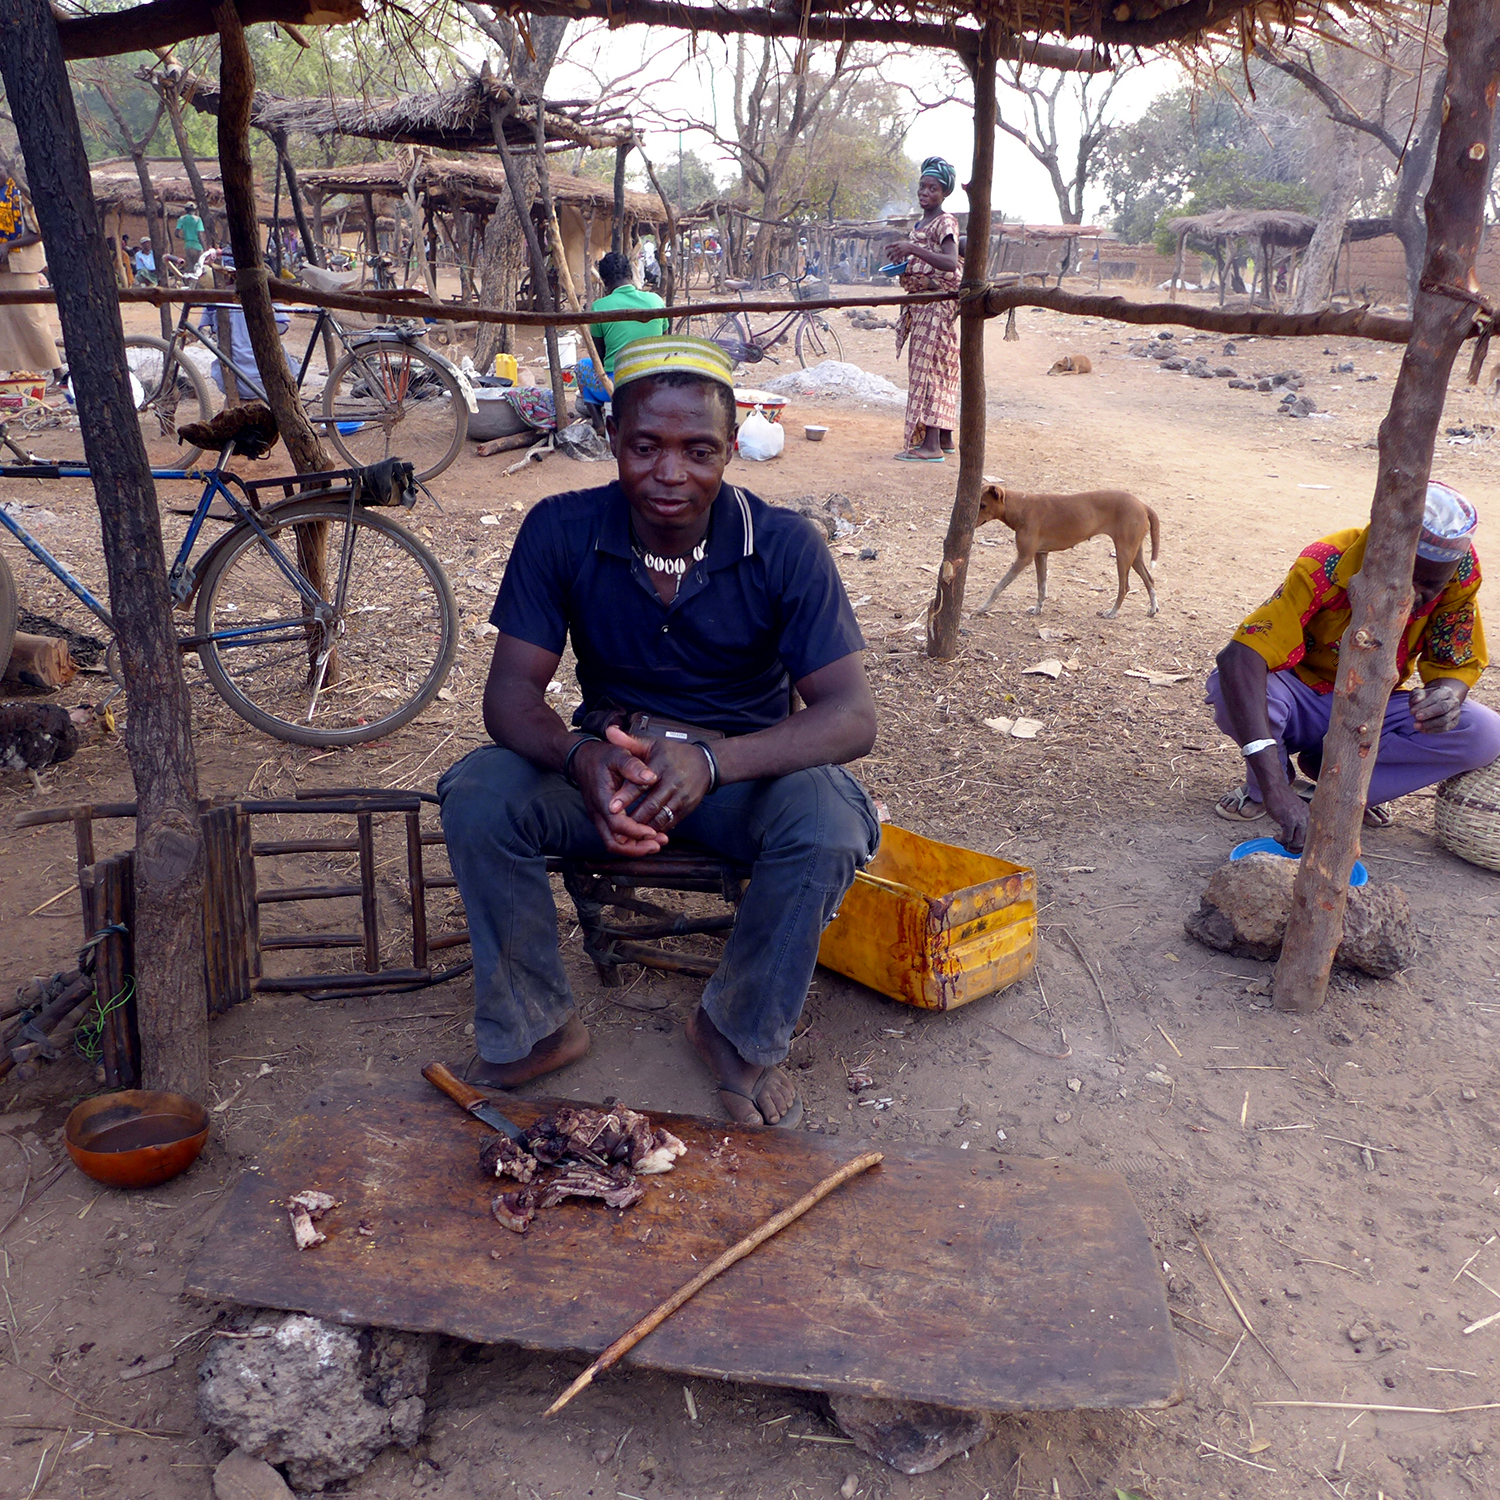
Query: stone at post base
point(1245, 907)
point(910, 1436)
point(243, 1477)
point(316, 1399)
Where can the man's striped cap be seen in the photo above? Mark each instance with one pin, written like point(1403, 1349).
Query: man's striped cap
point(642, 358)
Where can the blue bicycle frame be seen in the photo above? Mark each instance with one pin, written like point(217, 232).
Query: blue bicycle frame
point(180, 578)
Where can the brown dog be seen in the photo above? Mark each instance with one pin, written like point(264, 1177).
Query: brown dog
point(1053, 523)
point(1073, 364)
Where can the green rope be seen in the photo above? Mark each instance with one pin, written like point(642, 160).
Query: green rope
point(88, 1040)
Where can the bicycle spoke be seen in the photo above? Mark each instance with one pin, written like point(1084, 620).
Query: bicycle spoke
point(385, 648)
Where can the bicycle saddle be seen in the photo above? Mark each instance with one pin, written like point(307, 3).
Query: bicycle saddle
point(737, 286)
point(249, 429)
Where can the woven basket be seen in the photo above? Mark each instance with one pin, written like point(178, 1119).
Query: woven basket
point(1467, 817)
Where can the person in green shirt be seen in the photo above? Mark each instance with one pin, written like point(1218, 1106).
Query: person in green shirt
point(190, 227)
point(620, 292)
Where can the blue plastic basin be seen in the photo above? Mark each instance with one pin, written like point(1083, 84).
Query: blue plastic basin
point(1358, 876)
point(345, 428)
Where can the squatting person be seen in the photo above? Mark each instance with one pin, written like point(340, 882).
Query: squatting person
point(1273, 688)
point(690, 599)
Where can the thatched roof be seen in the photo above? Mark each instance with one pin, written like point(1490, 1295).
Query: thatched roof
point(456, 118)
point(1272, 226)
point(475, 186)
point(117, 188)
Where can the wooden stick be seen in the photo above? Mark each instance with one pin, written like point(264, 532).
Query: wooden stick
point(1239, 1311)
point(757, 1237)
point(1416, 1411)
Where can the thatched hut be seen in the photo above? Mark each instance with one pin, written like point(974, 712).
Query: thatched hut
point(464, 186)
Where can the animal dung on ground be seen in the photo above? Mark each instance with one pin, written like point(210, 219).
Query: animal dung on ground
point(304, 1207)
point(1051, 667)
point(1072, 364)
point(1158, 679)
point(1017, 729)
point(577, 1153)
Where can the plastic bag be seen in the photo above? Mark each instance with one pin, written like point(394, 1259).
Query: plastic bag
point(760, 439)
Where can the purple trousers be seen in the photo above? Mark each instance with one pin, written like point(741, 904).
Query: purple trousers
point(1406, 759)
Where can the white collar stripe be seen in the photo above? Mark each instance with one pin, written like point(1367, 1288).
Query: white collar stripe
point(748, 524)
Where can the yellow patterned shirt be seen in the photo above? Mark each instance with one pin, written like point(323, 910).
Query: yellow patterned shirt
point(1300, 626)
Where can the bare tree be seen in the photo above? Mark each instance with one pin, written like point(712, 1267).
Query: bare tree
point(1400, 114)
point(779, 106)
point(136, 148)
point(1086, 100)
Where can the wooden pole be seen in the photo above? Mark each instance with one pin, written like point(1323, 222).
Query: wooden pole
point(236, 93)
point(1381, 594)
point(541, 290)
point(617, 232)
point(168, 933)
point(946, 611)
point(757, 1237)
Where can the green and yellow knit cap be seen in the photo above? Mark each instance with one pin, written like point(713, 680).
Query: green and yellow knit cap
point(642, 358)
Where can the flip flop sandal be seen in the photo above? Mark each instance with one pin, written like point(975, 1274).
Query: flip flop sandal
point(920, 458)
point(1237, 806)
point(789, 1121)
point(1378, 815)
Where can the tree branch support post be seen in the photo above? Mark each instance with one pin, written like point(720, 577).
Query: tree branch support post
point(168, 925)
point(251, 283)
point(541, 290)
point(617, 231)
point(946, 612)
point(1381, 594)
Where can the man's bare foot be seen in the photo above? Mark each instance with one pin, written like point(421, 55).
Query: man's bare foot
point(567, 1044)
point(752, 1095)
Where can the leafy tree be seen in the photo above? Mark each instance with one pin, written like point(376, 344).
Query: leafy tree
point(1192, 152)
point(688, 180)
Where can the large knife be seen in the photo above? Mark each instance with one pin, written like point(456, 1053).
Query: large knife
point(477, 1104)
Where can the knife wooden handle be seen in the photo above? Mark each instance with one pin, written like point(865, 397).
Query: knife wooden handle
point(454, 1087)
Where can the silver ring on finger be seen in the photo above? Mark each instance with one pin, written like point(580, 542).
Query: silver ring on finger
point(669, 815)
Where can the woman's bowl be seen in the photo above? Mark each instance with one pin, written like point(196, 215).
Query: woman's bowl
point(1358, 876)
point(815, 434)
point(136, 1138)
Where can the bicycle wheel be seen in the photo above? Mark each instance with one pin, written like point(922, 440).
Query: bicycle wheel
point(732, 334)
point(169, 393)
point(393, 626)
point(390, 400)
point(817, 341)
point(8, 609)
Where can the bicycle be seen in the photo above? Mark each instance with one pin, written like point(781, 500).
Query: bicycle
point(386, 394)
point(814, 337)
point(304, 661)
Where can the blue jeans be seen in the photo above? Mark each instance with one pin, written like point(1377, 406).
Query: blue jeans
point(803, 835)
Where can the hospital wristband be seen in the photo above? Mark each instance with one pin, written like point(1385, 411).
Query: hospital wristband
point(583, 739)
point(713, 767)
point(1255, 747)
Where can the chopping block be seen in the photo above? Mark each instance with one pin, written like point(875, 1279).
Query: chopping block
point(961, 1279)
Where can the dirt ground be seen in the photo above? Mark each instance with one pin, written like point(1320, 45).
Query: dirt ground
point(1221, 1113)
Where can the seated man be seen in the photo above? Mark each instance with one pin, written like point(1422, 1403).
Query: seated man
point(1273, 690)
point(620, 292)
point(695, 601)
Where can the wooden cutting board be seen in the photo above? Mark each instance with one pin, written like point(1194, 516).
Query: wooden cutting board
point(964, 1279)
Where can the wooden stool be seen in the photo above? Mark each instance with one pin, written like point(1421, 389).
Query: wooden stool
point(598, 884)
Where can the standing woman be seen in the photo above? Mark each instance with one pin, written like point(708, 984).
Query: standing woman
point(931, 256)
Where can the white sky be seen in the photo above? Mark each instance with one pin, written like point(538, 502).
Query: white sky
point(673, 85)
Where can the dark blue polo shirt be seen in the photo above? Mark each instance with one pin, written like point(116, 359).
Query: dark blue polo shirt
point(766, 604)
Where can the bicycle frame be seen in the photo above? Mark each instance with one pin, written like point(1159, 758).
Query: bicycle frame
point(181, 577)
point(325, 321)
